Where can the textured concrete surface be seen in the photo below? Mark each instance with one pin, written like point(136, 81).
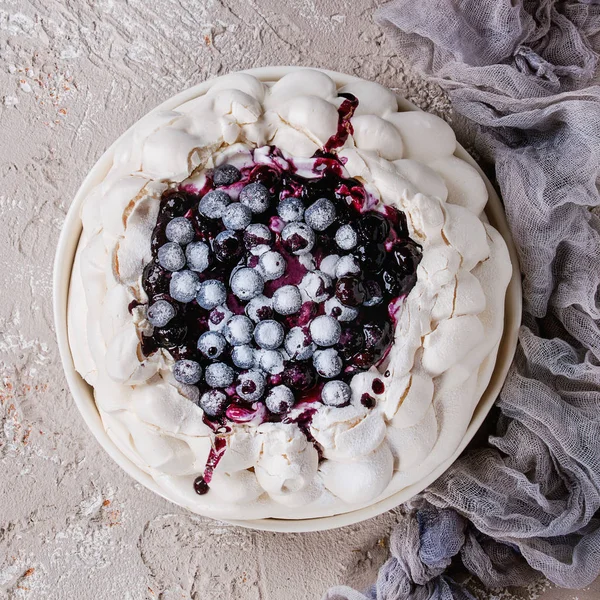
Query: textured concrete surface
point(73, 75)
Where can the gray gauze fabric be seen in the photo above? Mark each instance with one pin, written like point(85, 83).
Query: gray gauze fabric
point(521, 77)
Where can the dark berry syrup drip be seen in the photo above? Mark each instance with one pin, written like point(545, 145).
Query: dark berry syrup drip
point(345, 113)
point(201, 483)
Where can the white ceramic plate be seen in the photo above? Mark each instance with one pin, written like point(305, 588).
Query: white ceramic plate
point(83, 393)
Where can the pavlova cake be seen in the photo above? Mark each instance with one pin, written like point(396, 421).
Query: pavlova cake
point(287, 297)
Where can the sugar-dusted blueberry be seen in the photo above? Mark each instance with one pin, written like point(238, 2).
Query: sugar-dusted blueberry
point(298, 238)
point(287, 300)
point(328, 363)
point(237, 216)
point(238, 330)
point(180, 230)
point(161, 312)
point(212, 344)
point(257, 234)
point(228, 246)
point(271, 265)
point(226, 175)
point(154, 279)
point(256, 197)
point(269, 334)
point(280, 399)
point(300, 376)
point(298, 343)
point(347, 265)
point(243, 357)
point(171, 256)
point(334, 308)
point(291, 209)
point(346, 237)
point(373, 226)
point(187, 371)
point(211, 293)
point(172, 336)
point(325, 330)
point(213, 402)
point(271, 362)
point(251, 385)
point(320, 215)
point(213, 204)
point(328, 264)
point(218, 317)
point(349, 290)
point(260, 308)
point(184, 286)
point(219, 375)
point(197, 255)
point(336, 393)
point(247, 283)
point(317, 286)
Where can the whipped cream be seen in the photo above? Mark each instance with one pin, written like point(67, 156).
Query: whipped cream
point(447, 333)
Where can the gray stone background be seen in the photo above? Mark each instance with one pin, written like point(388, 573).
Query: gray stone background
point(74, 74)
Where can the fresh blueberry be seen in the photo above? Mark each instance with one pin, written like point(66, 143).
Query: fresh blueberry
point(346, 237)
point(212, 344)
point(280, 399)
point(328, 264)
point(269, 334)
point(260, 308)
point(228, 246)
point(213, 403)
point(349, 290)
point(154, 279)
point(211, 293)
point(325, 330)
point(334, 308)
point(298, 238)
point(347, 265)
point(257, 234)
point(226, 175)
point(251, 385)
point(320, 215)
point(287, 300)
point(327, 363)
point(271, 361)
point(271, 265)
point(256, 197)
point(243, 357)
point(300, 376)
point(183, 286)
point(373, 227)
point(247, 283)
point(352, 341)
point(219, 375)
point(291, 209)
point(213, 205)
point(218, 317)
point(237, 216)
point(173, 204)
point(187, 371)
point(298, 343)
point(336, 393)
point(160, 313)
point(180, 230)
point(317, 286)
point(171, 256)
point(198, 256)
point(238, 330)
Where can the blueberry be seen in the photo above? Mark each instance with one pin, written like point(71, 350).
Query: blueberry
point(219, 375)
point(336, 393)
point(287, 300)
point(228, 246)
point(346, 237)
point(407, 256)
point(256, 197)
point(347, 265)
point(328, 264)
point(247, 283)
point(280, 399)
point(298, 343)
point(352, 341)
point(211, 293)
point(180, 230)
point(325, 331)
point(378, 336)
point(327, 363)
point(271, 361)
point(317, 286)
point(271, 265)
point(154, 279)
point(171, 256)
point(237, 216)
point(371, 256)
point(174, 204)
point(260, 308)
point(300, 376)
point(226, 175)
point(291, 209)
point(184, 286)
point(251, 385)
point(211, 344)
point(320, 215)
point(238, 330)
point(198, 256)
point(334, 308)
point(218, 317)
point(298, 238)
point(187, 371)
point(213, 403)
point(160, 313)
point(213, 204)
point(257, 234)
point(349, 290)
point(373, 226)
point(170, 337)
point(243, 357)
point(269, 334)
point(374, 293)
